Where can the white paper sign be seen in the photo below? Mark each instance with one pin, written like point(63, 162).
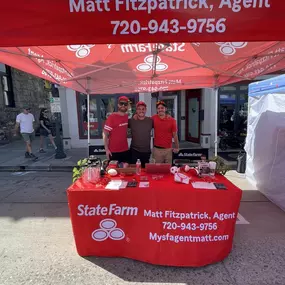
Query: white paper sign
point(55, 107)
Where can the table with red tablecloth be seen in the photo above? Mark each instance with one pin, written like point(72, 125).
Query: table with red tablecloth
point(167, 223)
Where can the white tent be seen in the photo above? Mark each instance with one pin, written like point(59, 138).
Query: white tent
point(265, 143)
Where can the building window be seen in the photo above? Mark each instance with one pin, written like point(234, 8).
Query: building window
point(101, 106)
point(7, 88)
point(233, 108)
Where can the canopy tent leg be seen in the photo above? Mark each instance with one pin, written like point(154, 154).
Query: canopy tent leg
point(88, 115)
point(88, 120)
point(88, 129)
point(216, 119)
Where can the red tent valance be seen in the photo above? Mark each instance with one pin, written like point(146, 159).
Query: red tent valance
point(61, 22)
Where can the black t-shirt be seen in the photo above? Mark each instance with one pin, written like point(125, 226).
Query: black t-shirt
point(46, 122)
point(141, 134)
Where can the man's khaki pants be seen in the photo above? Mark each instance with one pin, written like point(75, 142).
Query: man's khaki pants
point(162, 155)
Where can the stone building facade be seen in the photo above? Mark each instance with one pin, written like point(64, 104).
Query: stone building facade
point(19, 89)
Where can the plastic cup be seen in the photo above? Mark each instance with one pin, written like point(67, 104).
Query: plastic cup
point(212, 166)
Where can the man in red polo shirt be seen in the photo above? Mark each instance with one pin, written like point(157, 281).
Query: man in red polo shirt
point(164, 130)
point(115, 133)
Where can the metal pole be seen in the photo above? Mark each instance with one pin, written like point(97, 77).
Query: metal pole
point(58, 140)
point(88, 115)
point(88, 120)
point(216, 120)
point(88, 130)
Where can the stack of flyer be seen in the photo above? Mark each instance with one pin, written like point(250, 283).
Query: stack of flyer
point(116, 185)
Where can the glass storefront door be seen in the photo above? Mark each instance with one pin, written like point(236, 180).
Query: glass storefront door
point(101, 106)
point(193, 98)
point(233, 108)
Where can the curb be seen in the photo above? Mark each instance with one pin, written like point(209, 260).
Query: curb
point(22, 168)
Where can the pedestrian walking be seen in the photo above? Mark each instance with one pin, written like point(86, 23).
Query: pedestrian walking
point(25, 124)
point(45, 129)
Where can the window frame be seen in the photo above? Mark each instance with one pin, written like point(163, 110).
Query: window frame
point(80, 97)
point(10, 91)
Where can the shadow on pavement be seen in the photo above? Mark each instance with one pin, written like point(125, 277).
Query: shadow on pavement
point(136, 271)
point(257, 257)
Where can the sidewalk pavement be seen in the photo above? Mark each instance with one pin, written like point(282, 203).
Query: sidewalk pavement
point(12, 158)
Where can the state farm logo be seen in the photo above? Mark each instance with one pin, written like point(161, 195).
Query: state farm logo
point(99, 150)
point(149, 64)
point(81, 51)
point(190, 154)
point(108, 229)
point(123, 124)
point(230, 48)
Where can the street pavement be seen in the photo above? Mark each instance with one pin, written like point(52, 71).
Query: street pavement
point(12, 158)
point(37, 246)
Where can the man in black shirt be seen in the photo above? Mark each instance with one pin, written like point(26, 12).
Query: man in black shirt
point(141, 128)
point(45, 129)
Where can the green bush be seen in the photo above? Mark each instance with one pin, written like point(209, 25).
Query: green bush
point(221, 168)
point(79, 169)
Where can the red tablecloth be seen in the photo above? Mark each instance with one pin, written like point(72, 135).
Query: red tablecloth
point(167, 223)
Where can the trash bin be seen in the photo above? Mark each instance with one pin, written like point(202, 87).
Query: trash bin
point(241, 162)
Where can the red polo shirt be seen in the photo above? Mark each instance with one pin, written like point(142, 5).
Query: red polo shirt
point(117, 127)
point(163, 131)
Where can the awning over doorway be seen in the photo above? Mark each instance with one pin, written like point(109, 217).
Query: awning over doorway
point(126, 68)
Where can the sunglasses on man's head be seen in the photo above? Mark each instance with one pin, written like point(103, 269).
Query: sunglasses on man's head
point(123, 103)
point(160, 103)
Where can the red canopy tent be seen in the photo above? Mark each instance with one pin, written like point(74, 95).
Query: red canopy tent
point(109, 68)
point(123, 68)
point(149, 67)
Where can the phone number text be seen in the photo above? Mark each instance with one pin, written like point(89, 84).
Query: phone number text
point(170, 26)
point(190, 226)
